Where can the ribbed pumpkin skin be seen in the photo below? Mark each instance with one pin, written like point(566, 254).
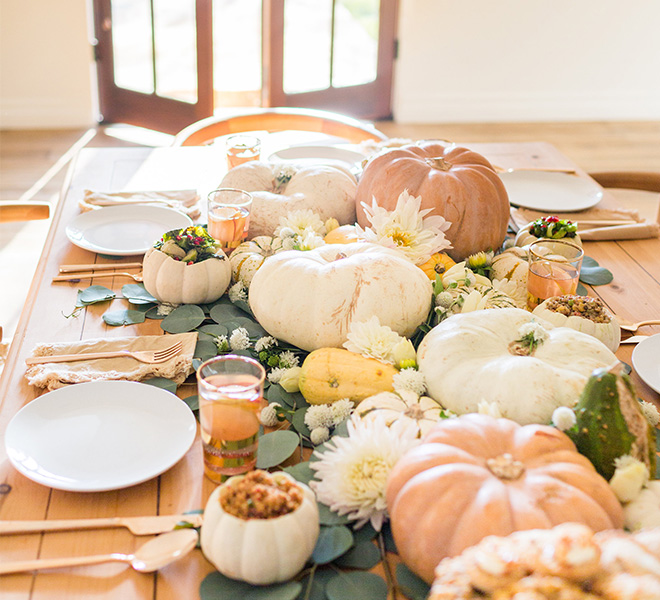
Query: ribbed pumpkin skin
point(442, 497)
point(458, 184)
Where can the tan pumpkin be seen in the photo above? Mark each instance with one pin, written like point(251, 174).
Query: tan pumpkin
point(439, 263)
point(420, 412)
point(344, 234)
point(457, 183)
point(476, 476)
point(330, 374)
point(175, 282)
point(246, 259)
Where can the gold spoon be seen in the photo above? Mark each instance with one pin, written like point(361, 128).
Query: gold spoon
point(633, 327)
point(155, 554)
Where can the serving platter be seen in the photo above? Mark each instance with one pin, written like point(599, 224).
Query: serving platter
point(99, 436)
point(646, 361)
point(320, 154)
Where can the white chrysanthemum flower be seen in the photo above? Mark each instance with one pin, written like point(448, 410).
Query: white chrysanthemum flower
point(286, 233)
point(563, 418)
point(290, 379)
point(275, 375)
point(268, 415)
point(411, 380)
point(301, 221)
point(222, 343)
point(630, 476)
point(651, 413)
point(288, 359)
point(265, 343)
point(238, 292)
point(492, 409)
point(371, 339)
point(319, 435)
point(319, 415)
point(341, 410)
point(533, 331)
point(308, 240)
point(239, 339)
point(406, 229)
point(352, 472)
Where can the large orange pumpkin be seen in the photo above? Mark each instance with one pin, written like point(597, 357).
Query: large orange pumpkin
point(475, 476)
point(458, 184)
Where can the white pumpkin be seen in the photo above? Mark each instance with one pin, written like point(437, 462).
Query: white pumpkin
point(479, 356)
point(420, 412)
point(310, 298)
point(278, 189)
point(644, 511)
point(250, 255)
point(260, 551)
point(176, 282)
point(568, 311)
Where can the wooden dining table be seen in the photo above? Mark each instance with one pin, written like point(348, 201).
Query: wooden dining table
point(633, 295)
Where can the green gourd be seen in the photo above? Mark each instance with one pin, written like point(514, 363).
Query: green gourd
point(610, 422)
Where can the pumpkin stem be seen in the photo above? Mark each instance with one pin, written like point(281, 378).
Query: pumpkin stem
point(437, 162)
point(505, 467)
point(414, 412)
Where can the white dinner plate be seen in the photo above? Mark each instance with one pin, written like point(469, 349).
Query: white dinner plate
point(646, 360)
point(551, 192)
point(99, 436)
point(124, 230)
point(325, 155)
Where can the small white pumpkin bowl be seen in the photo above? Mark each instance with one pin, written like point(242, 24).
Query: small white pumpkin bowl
point(176, 282)
point(260, 551)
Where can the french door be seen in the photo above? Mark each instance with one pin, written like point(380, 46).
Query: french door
point(155, 58)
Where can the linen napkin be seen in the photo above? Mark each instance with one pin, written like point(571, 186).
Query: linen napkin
point(56, 375)
point(185, 201)
point(640, 229)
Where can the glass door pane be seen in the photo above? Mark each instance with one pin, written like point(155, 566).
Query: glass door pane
point(131, 45)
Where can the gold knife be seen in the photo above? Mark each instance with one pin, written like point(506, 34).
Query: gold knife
point(137, 525)
point(634, 339)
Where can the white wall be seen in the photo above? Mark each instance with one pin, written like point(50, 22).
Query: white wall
point(45, 64)
point(528, 60)
point(467, 60)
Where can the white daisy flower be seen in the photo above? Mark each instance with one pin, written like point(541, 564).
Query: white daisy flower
point(371, 339)
point(302, 221)
point(275, 375)
point(265, 343)
point(288, 359)
point(341, 410)
point(533, 331)
point(651, 413)
point(563, 418)
point(406, 228)
point(308, 240)
point(319, 435)
point(319, 415)
point(352, 472)
point(238, 292)
point(268, 415)
point(239, 339)
point(409, 380)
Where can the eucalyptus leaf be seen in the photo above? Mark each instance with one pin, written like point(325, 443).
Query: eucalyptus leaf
point(223, 312)
point(196, 363)
point(366, 533)
point(137, 294)
point(301, 472)
point(215, 586)
point(183, 319)
point(593, 274)
point(214, 329)
point(361, 556)
point(243, 353)
point(162, 383)
point(388, 539)
point(365, 586)
point(319, 578)
point(298, 422)
point(205, 349)
point(94, 294)
point(411, 585)
point(253, 328)
point(244, 306)
point(581, 290)
point(274, 448)
point(124, 316)
point(332, 543)
point(330, 517)
point(342, 429)
point(192, 402)
point(276, 393)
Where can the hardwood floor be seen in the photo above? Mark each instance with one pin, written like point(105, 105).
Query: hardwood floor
point(32, 168)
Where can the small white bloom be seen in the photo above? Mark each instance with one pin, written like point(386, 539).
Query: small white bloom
point(308, 241)
point(444, 299)
point(341, 410)
point(289, 243)
point(268, 415)
point(409, 379)
point(563, 418)
point(301, 221)
point(238, 292)
point(352, 472)
point(289, 379)
point(288, 359)
point(222, 343)
point(630, 476)
point(319, 415)
point(404, 354)
point(651, 413)
point(533, 331)
point(165, 308)
point(318, 435)
point(239, 339)
point(331, 224)
point(265, 343)
point(275, 375)
point(492, 409)
point(371, 339)
point(286, 233)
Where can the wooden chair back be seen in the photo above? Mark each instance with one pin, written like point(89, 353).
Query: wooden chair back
point(629, 180)
point(23, 211)
point(278, 119)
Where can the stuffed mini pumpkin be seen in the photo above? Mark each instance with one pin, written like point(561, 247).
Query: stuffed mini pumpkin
point(476, 476)
point(457, 183)
point(278, 189)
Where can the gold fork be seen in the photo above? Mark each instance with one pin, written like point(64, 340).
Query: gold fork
point(145, 356)
point(633, 327)
point(78, 276)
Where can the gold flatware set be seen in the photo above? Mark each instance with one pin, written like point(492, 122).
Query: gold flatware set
point(78, 272)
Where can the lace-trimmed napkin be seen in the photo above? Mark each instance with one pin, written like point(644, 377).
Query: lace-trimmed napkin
point(56, 375)
point(185, 201)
